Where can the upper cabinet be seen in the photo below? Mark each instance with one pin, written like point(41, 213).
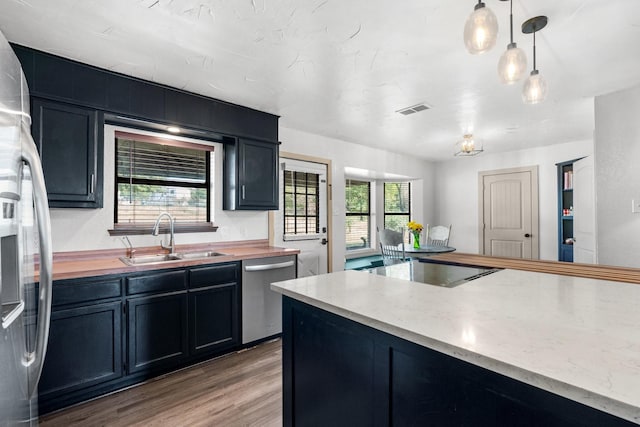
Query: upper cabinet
point(70, 141)
point(250, 175)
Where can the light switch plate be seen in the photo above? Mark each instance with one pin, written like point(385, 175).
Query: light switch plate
point(635, 206)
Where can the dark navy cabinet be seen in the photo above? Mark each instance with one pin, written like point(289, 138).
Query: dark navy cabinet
point(214, 309)
point(156, 331)
point(85, 340)
point(342, 373)
point(250, 179)
point(70, 142)
point(113, 331)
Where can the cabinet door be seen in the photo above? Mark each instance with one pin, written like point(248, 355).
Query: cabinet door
point(85, 348)
point(213, 318)
point(157, 331)
point(257, 175)
point(70, 143)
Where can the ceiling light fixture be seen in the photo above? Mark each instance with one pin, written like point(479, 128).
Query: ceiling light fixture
point(174, 129)
point(513, 61)
point(535, 87)
point(467, 147)
point(480, 30)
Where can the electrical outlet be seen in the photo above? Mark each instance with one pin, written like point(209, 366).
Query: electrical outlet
point(635, 206)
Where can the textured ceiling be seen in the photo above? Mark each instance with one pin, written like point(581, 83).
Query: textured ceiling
point(342, 68)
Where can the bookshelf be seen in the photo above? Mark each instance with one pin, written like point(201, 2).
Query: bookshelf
point(565, 211)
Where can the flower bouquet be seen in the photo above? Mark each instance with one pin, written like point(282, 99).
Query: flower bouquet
point(415, 229)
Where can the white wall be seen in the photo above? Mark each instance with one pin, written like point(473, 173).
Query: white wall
point(345, 154)
point(86, 229)
point(617, 176)
point(457, 191)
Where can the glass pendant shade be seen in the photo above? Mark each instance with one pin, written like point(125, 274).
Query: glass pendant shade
point(480, 30)
point(512, 64)
point(535, 89)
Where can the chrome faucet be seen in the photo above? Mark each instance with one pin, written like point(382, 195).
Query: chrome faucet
point(156, 228)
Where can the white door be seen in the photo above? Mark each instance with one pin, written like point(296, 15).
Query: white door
point(509, 213)
point(584, 212)
point(301, 221)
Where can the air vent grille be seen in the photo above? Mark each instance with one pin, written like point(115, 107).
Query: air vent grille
point(414, 109)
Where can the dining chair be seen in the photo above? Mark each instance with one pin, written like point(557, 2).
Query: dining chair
point(391, 246)
point(438, 235)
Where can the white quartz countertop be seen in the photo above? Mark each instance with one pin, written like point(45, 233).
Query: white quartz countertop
point(576, 337)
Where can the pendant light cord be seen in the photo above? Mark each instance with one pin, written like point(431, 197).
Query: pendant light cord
point(511, 19)
point(534, 51)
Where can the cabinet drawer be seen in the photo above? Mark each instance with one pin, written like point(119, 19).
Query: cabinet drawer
point(157, 282)
point(76, 291)
point(213, 275)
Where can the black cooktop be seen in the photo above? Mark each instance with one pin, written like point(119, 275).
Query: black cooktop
point(444, 275)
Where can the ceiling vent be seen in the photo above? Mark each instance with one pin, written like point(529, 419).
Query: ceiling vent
point(414, 109)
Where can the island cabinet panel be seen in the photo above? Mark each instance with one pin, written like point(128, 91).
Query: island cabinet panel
point(85, 349)
point(157, 331)
point(345, 373)
point(333, 373)
point(70, 141)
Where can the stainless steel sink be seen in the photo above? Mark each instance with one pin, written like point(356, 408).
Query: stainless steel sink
point(164, 258)
point(199, 255)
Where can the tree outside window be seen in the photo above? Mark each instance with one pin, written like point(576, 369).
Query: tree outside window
point(358, 214)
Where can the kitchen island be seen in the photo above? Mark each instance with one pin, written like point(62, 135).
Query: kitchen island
point(510, 348)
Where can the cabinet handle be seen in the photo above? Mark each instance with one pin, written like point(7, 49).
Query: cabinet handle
point(264, 267)
point(93, 183)
point(243, 192)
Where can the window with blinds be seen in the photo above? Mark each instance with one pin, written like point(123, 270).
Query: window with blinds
point(301, 203)
point(358, 214)
point(155, 175)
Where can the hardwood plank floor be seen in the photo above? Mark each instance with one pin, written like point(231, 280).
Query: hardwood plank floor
point(239, 389)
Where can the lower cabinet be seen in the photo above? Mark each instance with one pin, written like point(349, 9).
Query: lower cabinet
point(157, 331)
point(114, 331)
point(84, 348)
point(213, 321)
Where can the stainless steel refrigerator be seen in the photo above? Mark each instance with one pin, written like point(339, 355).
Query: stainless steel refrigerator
point(25, 242)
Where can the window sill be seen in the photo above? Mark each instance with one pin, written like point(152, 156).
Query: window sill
point(357, 253)
point(136, 229)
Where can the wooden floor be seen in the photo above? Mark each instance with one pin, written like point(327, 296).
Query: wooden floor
point(240, 389)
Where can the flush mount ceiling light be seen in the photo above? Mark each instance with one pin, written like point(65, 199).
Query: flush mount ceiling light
point(480, 30)
point(467, 147)
point(535, 87)
point(513, 61)
point(174, 129)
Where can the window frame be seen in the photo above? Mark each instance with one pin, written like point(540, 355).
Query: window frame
point(295, 235)
point(384, 203)
point(180, 226)
point(370, 215)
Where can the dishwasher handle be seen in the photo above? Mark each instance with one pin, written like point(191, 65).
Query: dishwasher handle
point(264, 267)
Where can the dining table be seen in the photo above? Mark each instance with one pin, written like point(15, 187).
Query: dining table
point(426, 250)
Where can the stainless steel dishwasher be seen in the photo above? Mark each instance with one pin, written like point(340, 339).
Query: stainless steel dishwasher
point(261, 307)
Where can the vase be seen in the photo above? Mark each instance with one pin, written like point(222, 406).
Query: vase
point(416, 240)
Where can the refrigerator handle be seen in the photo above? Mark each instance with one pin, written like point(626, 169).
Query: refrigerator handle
point(34, 360)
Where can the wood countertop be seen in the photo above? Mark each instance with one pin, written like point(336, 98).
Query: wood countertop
point(70, 265)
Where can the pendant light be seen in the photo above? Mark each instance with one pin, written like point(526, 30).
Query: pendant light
point(535, 87)
point(480, 30)
point(513, 61)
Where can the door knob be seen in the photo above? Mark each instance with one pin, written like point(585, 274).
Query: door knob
point(324, 241)
point(527, 235)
